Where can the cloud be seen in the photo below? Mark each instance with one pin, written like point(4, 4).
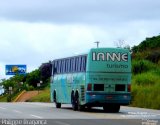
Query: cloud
point(34, 43)
point(70, 11)
point(36, 31)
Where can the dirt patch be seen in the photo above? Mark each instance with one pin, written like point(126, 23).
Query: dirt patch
point(27, 95)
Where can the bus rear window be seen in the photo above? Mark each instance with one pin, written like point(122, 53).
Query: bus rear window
point(98, 87)
point(120, 87)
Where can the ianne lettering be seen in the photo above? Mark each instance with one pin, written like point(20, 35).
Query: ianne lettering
point(109, 56)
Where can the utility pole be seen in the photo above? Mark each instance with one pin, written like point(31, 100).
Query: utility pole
point(97, 42)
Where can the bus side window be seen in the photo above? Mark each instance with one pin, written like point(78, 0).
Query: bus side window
point(69, 65)
point(74, 64)
point(52, 69)
point(77, 60)
point(64, 70)
point(55, 67)
point(79, 64)
point(59, 66)
point(63, 66)
point(83, 64)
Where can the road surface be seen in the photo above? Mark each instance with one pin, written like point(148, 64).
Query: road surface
point(46, 113)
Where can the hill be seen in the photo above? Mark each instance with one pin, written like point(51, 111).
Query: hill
point(148, 49)
point(146, 73)
point(148, 43)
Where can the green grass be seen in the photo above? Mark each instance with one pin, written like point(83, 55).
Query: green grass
point(43, 96)
point(3, 98)
point(13, 97)
point(140, 66)
point(146, 90)
point(144, 79)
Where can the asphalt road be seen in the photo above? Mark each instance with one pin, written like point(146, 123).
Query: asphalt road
point(46, 113)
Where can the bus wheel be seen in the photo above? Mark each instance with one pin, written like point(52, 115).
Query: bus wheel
point(78, 105)
point(113, 108)
point(74, 101)
point(81, 107)
point(89, 108)
point(116, 108)
point(58, 105)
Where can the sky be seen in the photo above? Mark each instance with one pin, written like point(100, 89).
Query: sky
point(36, 31)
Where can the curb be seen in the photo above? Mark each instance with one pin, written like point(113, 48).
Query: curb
point(15, 100)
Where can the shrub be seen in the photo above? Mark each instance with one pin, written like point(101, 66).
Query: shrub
point(143, 79)
point(140, 66)
point(145, 90)
point(154, 56)
point(146, 96)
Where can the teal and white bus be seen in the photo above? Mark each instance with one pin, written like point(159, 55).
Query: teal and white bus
point(100, 78)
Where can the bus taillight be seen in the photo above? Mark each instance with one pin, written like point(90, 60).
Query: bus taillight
point(89, 87)
point(129, 88)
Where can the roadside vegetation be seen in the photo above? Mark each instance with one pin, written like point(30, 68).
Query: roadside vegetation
point(27, 82)
point(146, 89)
point(146, 74)
point(9, 97)
point(43, 96)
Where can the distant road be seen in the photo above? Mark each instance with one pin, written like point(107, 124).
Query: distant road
point(66, 116)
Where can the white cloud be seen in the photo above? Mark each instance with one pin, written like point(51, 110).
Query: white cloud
point(35, 43)
point(33, 32)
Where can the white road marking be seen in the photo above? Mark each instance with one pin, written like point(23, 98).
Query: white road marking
point(36, 116)
point(39, 104)
point(61, 123)
point(2, 108)
point(17, 111)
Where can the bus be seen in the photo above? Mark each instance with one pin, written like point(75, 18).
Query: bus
point(100, 78)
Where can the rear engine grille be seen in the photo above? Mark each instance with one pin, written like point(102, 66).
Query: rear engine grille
point(82, 92)
point(120, 88)
point(98, 87)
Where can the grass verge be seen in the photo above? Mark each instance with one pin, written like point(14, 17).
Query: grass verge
point(43, 96)
point(146, 90)
point(4, 98)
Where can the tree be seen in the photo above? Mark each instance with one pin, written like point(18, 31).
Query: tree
point(120, 43)
point(33, 78)
point(46, 70)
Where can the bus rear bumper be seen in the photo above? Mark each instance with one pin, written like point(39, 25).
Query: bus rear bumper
point(99, 99)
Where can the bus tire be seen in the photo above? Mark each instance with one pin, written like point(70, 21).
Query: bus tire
point(79, 107)
point(111, 108)
point(89, 108)
point(58, 105)
point(74, 101)
point(116, 108)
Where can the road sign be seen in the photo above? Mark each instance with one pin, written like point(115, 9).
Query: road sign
point(10, 88)
point(38, 84)
point(15, 69)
